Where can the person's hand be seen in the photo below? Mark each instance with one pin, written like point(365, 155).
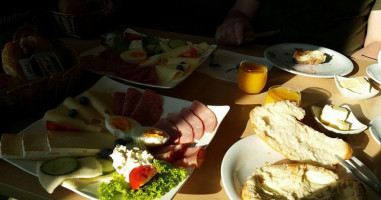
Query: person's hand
point(235, 30)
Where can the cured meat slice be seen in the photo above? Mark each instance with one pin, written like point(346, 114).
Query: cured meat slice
point(149, 108)
point(194, 121)
point(119, 102)
point(193, 160)
point(171, 129)
point(169, 152)
point(185, 129)
point(205, 114)
point(131, 99)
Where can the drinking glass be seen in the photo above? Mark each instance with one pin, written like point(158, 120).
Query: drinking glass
point(252, 76)
point(279, 93)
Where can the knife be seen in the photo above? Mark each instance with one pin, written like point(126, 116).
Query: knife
point(363, 173)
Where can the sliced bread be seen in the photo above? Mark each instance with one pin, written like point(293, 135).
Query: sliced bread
point(277, 124)
point(313, 57)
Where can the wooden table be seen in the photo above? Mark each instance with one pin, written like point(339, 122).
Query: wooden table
point(205, 182)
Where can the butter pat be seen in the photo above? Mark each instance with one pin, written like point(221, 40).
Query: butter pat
point(358, 85)
point(335, 117)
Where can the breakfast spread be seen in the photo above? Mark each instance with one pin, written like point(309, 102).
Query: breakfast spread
point(312, 57)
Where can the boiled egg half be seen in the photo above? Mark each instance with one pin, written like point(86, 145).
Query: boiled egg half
point(150, 136)
point(133, 57)
point(121, 126)
point(150, 61)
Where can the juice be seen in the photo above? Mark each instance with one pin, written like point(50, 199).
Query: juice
point(280, 93)
point(252, 76)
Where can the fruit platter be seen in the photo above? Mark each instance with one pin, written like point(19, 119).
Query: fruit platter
point(115, 141)
point(145, 60)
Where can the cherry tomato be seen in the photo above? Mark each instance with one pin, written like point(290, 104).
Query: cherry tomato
point(55, 126)
point(191, 53)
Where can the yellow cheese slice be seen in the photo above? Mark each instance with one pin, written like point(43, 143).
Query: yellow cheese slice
point(36, 146)
point(85, 111)
point(166, 74)
point(81, 183)
point(11, 146)
point(101, 102)
point(89, 167)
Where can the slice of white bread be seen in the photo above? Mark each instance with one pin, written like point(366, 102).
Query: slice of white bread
point(313, 57)
point(277, 124)
point(299, 181)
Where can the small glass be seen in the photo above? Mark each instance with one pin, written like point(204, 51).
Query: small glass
point(280, 93)
point(252, 76)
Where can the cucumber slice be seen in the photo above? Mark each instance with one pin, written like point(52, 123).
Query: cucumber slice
point(59, 166)
point(107, 167)
point(176, 43)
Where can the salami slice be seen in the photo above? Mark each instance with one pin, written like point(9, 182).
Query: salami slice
point(131, 99)
point(119, 102)
point(185, 129)
point(171, 129)
point(194, 121)
point(205, 114)
point(149, 108)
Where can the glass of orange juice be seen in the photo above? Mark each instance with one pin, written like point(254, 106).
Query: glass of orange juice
point(280, 93)
point(252, 76)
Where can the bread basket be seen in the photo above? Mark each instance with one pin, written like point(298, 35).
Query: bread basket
point(42, 93)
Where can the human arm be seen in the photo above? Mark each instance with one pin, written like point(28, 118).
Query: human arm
point(236, 27)
point(374, 28)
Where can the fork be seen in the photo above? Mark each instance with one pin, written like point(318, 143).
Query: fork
point(362, 172)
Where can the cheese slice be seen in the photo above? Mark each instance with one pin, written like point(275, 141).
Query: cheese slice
point(11, 146)
point(89, 167)
point(101, 102)
point(85, 111)
point(357, 84)
point(81, 183)
point(35, 146)
point(166, 74)
point(79, 143)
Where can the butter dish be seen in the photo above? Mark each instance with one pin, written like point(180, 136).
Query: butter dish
point(375, 129)
point(351, 94)
point(355, 128)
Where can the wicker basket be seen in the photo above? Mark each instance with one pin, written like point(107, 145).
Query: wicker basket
point(85, 25)
point(43, 93)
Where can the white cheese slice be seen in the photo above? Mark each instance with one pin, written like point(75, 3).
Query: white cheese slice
point(11, 146)
point(89, 167)
point(79, 143)
point(85, 111)
point(80, 183)
point(35, 146)
point(101, 102)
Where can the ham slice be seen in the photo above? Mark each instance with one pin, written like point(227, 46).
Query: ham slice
point(171, 129)
point(131, 99)
point(119, 102)
point(191, 160)
point(194, 121)
point(169, 152)
point(206, 115)
point(185, 129)
point(149, 108)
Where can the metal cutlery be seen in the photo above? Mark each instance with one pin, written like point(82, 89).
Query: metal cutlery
point(362, 172)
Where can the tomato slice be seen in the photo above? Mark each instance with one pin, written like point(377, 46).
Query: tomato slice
point(55, 126)
point(141, 175)
point(191, 53)
point(132, 36)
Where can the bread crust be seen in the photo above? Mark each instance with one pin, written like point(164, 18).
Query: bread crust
point(10, 57)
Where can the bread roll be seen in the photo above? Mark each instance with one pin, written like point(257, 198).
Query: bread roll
point(10, 57)
point(277, 124)
point(314, 57)
point(299, 181)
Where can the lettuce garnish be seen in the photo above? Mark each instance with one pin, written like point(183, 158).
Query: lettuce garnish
point(167, 178)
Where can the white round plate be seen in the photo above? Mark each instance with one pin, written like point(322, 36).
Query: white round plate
point(281, 57)
point(241, 159)
point(375, 129)
point(374, 71)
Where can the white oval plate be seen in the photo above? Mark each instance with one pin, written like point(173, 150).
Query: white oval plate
point(375, 129)
point(281, 57)
point(356, 127)
point(374, 71)
point(353, 95)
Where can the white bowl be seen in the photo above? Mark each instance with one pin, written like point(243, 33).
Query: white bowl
point(375, 129)
point(356, 125)
point(374, 71)
point(354, 95)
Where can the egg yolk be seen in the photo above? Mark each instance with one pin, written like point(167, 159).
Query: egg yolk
point(154, 133)
point(136, 54)
point(120, 123)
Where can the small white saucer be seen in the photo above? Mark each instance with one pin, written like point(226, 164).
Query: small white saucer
point(356, 126)
point(374, 71)
point(375, 129)
point(354, 95)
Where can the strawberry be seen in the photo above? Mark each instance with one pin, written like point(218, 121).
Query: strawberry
point(141, 175)
point(191, 53)
point(55, 126)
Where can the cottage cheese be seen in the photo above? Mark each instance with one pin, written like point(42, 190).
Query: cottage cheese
point(124, 159)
